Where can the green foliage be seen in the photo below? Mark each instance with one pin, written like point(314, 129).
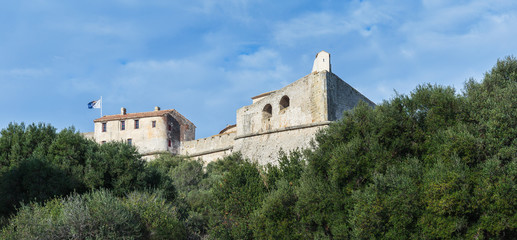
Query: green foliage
point(492, 109)
point(238, 194)
point(71, 152)
point(316, 204)
point(37, 163)
point(496, 196)
point(157, 215)
point(389, 207)
point(116, 166)
point(19, 142)
point(448, 202)
point(429, 165)
point(32, 180)
point(97, 215)
point(277, 218)
point(291, 166)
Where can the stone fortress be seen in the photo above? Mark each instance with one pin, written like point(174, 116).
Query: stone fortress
point(284, 119)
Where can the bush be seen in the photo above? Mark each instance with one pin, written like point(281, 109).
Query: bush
point(159, 217)
point(277, 218)
point(33, 179)
point(239, 193)
point(97, 215)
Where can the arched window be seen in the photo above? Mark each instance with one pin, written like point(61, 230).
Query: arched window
point(267, 111)
point(284, 102)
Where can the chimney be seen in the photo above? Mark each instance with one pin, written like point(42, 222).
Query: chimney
point(156, 108)
point(123, 111)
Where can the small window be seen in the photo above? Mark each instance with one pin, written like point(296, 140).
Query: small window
point(103, 127)
point(122, 125)
point(154, 124)
point(170, 127)
point(170, 143)
point(284, 102)
point(137, 124)
point(267, 111)
point(129, 141)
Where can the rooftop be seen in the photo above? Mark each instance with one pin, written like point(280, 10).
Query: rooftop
point(262, 95)
point(138, 115)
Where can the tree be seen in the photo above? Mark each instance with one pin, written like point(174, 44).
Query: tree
point(116, 166)
point(239, 193)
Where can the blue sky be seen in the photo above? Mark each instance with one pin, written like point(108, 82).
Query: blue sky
point(207, 58)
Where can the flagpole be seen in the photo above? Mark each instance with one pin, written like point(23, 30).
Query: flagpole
point(101, 105)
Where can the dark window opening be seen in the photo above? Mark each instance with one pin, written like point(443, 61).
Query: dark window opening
point(170, 127)
point(170, 143)
point(154, 124)
point(103, 127)
point(129, 141)
point(122, 125)
point(284, 102)
point(267, 111)
point(137, 124)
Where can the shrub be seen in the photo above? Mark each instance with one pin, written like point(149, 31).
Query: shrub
point(159, 217)
point(95, 215)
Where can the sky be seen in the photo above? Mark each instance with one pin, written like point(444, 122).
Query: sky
point(207, 58)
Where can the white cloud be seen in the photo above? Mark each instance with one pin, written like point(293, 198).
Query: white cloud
point(310, 26)
point(357, 17)
point(259, 71)
point(263, 58)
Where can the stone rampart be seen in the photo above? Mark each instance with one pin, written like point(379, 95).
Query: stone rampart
point(209, 148)
point(265, 147)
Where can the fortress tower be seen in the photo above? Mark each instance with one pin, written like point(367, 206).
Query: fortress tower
point(284, 119)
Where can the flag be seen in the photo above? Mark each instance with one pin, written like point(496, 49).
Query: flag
point(95, 104)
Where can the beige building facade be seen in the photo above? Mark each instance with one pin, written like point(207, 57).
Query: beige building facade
point(282, 120)
point(151, 132)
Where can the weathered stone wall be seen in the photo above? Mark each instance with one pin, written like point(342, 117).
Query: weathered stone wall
point(341, 97)
point(264, 148)
point(89, 135)
point(307, 104)
point(146, 139)
point(209, 148)
point(213, 156)
point(181, 130)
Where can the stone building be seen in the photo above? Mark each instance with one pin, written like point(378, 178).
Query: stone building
point(150, 132)
point(284, 119)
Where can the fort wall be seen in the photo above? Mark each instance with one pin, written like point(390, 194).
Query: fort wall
point(283, 120)
point(265, 147)
point(341, 97)
point(306, 104)
point(209, 148)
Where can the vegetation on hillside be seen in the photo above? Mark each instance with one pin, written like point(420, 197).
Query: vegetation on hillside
point(433, 164)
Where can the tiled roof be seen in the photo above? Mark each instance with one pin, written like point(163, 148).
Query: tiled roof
point(263, 94)
point(227, 128)
point(138, 115)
